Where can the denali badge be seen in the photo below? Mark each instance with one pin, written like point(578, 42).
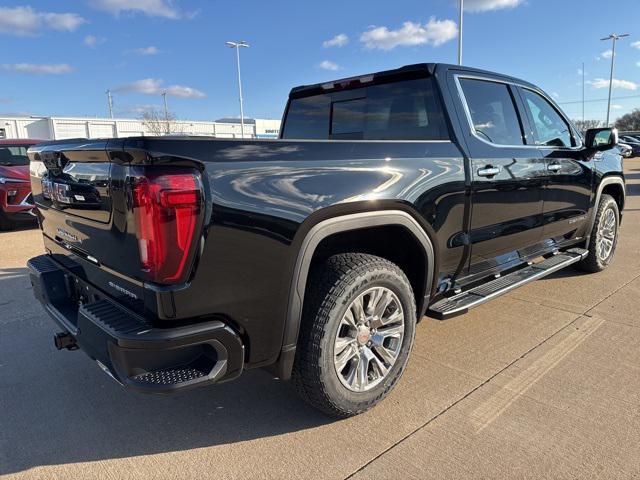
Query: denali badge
point(123, 290)
point(69, 236)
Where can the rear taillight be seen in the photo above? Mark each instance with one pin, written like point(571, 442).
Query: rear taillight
point(166, 209)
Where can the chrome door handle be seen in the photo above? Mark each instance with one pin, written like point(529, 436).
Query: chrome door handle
point(488, 171)
point(554, 167)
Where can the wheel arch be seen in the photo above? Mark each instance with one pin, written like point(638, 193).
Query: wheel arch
point(613, 185)
point(337, 225)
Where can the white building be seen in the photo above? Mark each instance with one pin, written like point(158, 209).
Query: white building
point(59, 128)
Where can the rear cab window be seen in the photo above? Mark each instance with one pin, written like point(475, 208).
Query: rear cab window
point(400, 110)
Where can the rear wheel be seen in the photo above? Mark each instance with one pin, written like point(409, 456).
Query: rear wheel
point(357, 330)
point(604, 237)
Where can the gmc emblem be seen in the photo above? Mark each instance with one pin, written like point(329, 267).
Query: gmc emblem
point(55, 191)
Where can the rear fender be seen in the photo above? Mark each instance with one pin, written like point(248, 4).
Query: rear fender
point(309, 244)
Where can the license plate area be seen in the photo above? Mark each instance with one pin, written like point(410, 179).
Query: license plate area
point(80, 292)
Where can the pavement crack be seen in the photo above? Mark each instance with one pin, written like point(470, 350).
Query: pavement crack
point(463, 397)
point(612, 294)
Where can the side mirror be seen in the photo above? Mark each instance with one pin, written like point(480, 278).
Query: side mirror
point(600, 139)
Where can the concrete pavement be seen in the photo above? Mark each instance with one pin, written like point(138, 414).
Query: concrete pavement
point(541, 383)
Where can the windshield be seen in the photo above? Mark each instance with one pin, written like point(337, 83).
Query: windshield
point(11, 156)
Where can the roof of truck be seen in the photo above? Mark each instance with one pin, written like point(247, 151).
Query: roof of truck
point(416, 70)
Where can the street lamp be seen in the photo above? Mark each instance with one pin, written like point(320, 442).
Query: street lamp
point(615, 38)
point(110, 100)
point(238, 46)
point(166, 111)
point(460, 32)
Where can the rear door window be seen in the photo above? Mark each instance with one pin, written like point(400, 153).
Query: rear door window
point(404, 110)
point(493, 111)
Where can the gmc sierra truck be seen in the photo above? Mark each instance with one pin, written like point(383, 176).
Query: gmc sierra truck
point(178, 262)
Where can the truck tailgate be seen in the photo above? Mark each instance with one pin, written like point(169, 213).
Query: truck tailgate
point(80, 199)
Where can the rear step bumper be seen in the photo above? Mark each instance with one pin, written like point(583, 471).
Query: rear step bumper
point(126, 346)
point(462, 302)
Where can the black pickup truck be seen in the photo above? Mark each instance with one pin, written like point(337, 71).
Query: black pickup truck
point(430, 189)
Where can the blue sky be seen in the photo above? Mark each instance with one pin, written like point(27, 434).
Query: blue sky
point(59, 57)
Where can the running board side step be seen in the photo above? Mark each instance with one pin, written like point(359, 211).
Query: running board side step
point(462, 302)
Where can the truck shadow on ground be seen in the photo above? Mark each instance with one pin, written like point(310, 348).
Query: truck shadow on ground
point(633, 189)
point(568, 272)
point(59, 408)
point(25, 225)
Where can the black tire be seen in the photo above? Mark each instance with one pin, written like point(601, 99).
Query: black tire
point(5, 222)
point(332, 288)
point(595, 261)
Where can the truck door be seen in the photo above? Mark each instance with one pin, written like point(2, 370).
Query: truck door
point(569, 175)
point(507, 173)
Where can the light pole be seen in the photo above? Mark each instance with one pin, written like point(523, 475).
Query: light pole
point(460, 32)
point(583, 82)
point(615, 38)
point(238, 46)
point(166, 111)
point(110, 99)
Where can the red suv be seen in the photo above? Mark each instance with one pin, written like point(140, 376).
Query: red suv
point(16, 201)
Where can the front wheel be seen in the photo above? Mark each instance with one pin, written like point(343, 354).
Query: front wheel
point(604, 236)
point(357, 331)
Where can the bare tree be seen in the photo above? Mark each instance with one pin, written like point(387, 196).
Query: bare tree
point(629, 122)
point(584, 125)
point(158, 124)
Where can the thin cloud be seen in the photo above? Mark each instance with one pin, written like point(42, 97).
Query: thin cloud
point(154, 86)
point(328, 65)
point(616, 106)
point(339, 40)
point(488, 5)
point(138, 109)
point(636, 44)
point(434, 32)
point(92, 41)
point(607, 54)
point(38, 69)
point(600, 83)
point(146, 51)
point(25, 21)
point(150, 8)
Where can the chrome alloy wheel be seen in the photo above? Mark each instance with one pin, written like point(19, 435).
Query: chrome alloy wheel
point(369, 339)
point(606, 235)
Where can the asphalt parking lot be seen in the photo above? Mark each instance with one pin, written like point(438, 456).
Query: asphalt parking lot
point(541, 383)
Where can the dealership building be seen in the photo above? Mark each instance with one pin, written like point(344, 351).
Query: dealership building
point(60, 128)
